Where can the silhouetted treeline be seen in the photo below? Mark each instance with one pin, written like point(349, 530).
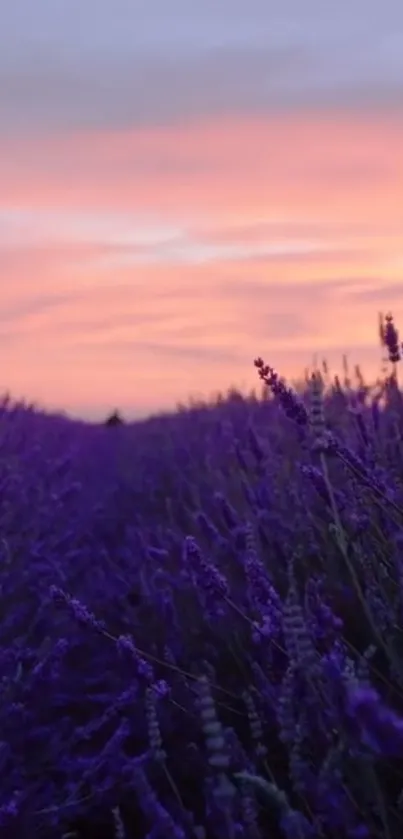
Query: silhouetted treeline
point(114, 419)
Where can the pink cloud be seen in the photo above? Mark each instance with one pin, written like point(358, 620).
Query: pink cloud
point(143, 265)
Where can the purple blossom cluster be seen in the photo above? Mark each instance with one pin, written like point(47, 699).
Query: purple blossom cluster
point(201, 626)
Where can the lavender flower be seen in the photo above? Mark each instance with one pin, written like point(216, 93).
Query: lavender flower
point(292, 407)
point(379, 727)
point(154, 732)
point(80, 612)
point(208, 575)
point(126, 644)
point(391, 339)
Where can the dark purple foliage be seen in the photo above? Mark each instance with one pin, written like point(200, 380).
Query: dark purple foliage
point(201, 625)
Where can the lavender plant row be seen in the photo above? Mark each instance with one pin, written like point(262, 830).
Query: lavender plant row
point(201, 618)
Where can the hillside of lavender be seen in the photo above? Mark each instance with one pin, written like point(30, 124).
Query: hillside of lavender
point(201, 625)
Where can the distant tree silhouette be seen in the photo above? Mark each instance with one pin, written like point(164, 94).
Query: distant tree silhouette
point(114, 419)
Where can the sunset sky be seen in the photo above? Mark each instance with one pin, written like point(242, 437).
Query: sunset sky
point(186, 185)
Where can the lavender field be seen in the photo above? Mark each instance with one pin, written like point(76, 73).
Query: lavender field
point(201, 617)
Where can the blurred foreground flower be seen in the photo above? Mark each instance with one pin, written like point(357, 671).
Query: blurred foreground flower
point(380, 728)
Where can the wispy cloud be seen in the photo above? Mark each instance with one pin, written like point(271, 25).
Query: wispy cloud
point(185, 186)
